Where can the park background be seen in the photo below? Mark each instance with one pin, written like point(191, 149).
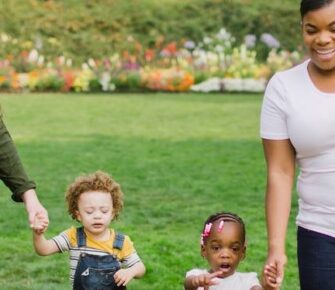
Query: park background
point(121, 75)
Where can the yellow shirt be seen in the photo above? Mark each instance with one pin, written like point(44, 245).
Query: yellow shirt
point(67, 241)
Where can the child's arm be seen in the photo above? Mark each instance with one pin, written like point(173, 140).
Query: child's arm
point(204, 280)
point(42, 246)
point(123, 276)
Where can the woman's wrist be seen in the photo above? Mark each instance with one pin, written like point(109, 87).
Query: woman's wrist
point(30, 196)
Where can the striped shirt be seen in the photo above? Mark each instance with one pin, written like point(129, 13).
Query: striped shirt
point(67, 241)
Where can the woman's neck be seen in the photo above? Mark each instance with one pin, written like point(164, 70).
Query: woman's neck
point(324, 80)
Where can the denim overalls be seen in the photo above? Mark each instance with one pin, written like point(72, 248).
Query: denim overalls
point(97, 272)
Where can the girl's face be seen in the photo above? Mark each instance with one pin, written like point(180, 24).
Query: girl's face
point(224, 249)
point(95, 212)
point(319, 37)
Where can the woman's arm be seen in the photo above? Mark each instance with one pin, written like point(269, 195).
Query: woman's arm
point(13, 175)
point(280, 159)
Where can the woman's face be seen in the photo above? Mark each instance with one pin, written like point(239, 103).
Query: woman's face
point(319, 36)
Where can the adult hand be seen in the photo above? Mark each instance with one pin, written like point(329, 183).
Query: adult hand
point(277, 260)
point(33, 206)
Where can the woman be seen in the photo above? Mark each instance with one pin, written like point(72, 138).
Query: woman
point(298, 128)
point(15, 178)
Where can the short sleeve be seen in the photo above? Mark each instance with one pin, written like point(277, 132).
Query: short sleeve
point(65, 240)
point(273, 114)
point(195, 272)
point(128, 255)
point(128, 248)
point(250, 280)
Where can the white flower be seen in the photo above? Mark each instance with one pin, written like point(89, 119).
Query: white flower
point(223, 35)
point(207, 40)
point(250, 40)
point(210, 85)
point(270, 41)
point(33, 56)
point(4, 37)
point(105, 81)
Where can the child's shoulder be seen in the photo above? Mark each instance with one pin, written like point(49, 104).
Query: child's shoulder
point(196, 272)
point(120, 235)
point(248, 278)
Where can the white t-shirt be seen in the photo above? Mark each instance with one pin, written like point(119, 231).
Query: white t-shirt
point(294, 108)
point(237, 281)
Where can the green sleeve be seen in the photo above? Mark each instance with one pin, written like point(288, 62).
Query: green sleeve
point(11, 169)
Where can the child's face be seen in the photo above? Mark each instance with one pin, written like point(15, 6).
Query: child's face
point(95, 212)
point(224, 249)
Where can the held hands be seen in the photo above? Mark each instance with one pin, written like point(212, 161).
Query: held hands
point(273, 272)
point(269, 278)
point(40, 223)
point(204, 280)
point(33, 206)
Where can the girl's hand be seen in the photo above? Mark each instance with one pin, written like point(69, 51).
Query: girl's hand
point(269, 278)
point(274, 268)
point(205, 280)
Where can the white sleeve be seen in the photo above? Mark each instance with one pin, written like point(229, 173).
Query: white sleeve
point(62, 241)
point(195, 272)
point(130, 260)
point(273, 114)
point(251, 280)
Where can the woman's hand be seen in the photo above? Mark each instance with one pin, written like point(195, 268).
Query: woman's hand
point(33, 206)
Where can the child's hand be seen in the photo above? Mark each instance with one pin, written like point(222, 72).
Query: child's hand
point(123, 276)
point(40, 223)
point(269, 279)
point(205, 280)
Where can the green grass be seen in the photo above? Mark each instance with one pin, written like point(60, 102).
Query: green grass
point(178, 158)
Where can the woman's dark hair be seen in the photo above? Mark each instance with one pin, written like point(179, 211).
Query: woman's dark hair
point(311, 5)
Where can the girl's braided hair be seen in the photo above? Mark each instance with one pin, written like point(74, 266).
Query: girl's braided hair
point(225, 217)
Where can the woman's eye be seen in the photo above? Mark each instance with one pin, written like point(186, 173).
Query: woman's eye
point(310, 32)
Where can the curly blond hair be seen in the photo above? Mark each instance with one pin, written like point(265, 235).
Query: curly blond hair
point(97, 181)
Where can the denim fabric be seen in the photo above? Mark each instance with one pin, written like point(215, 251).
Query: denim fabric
point(97, 272)
point(316, 260)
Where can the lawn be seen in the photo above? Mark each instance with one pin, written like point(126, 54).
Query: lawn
point(178, 158)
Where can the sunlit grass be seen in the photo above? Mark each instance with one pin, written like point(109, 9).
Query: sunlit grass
point(178, 158)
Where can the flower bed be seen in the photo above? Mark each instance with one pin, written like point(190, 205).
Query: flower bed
point(215, 64)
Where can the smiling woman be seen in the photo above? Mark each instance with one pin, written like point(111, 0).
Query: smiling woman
point(318, 27)
point(297, 126)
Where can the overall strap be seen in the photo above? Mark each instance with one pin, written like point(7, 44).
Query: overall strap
point(81, 237)
point(118, 241)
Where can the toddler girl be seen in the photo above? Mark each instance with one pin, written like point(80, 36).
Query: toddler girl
point(223, 245)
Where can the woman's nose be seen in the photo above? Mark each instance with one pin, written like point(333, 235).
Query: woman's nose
point(323, 38)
